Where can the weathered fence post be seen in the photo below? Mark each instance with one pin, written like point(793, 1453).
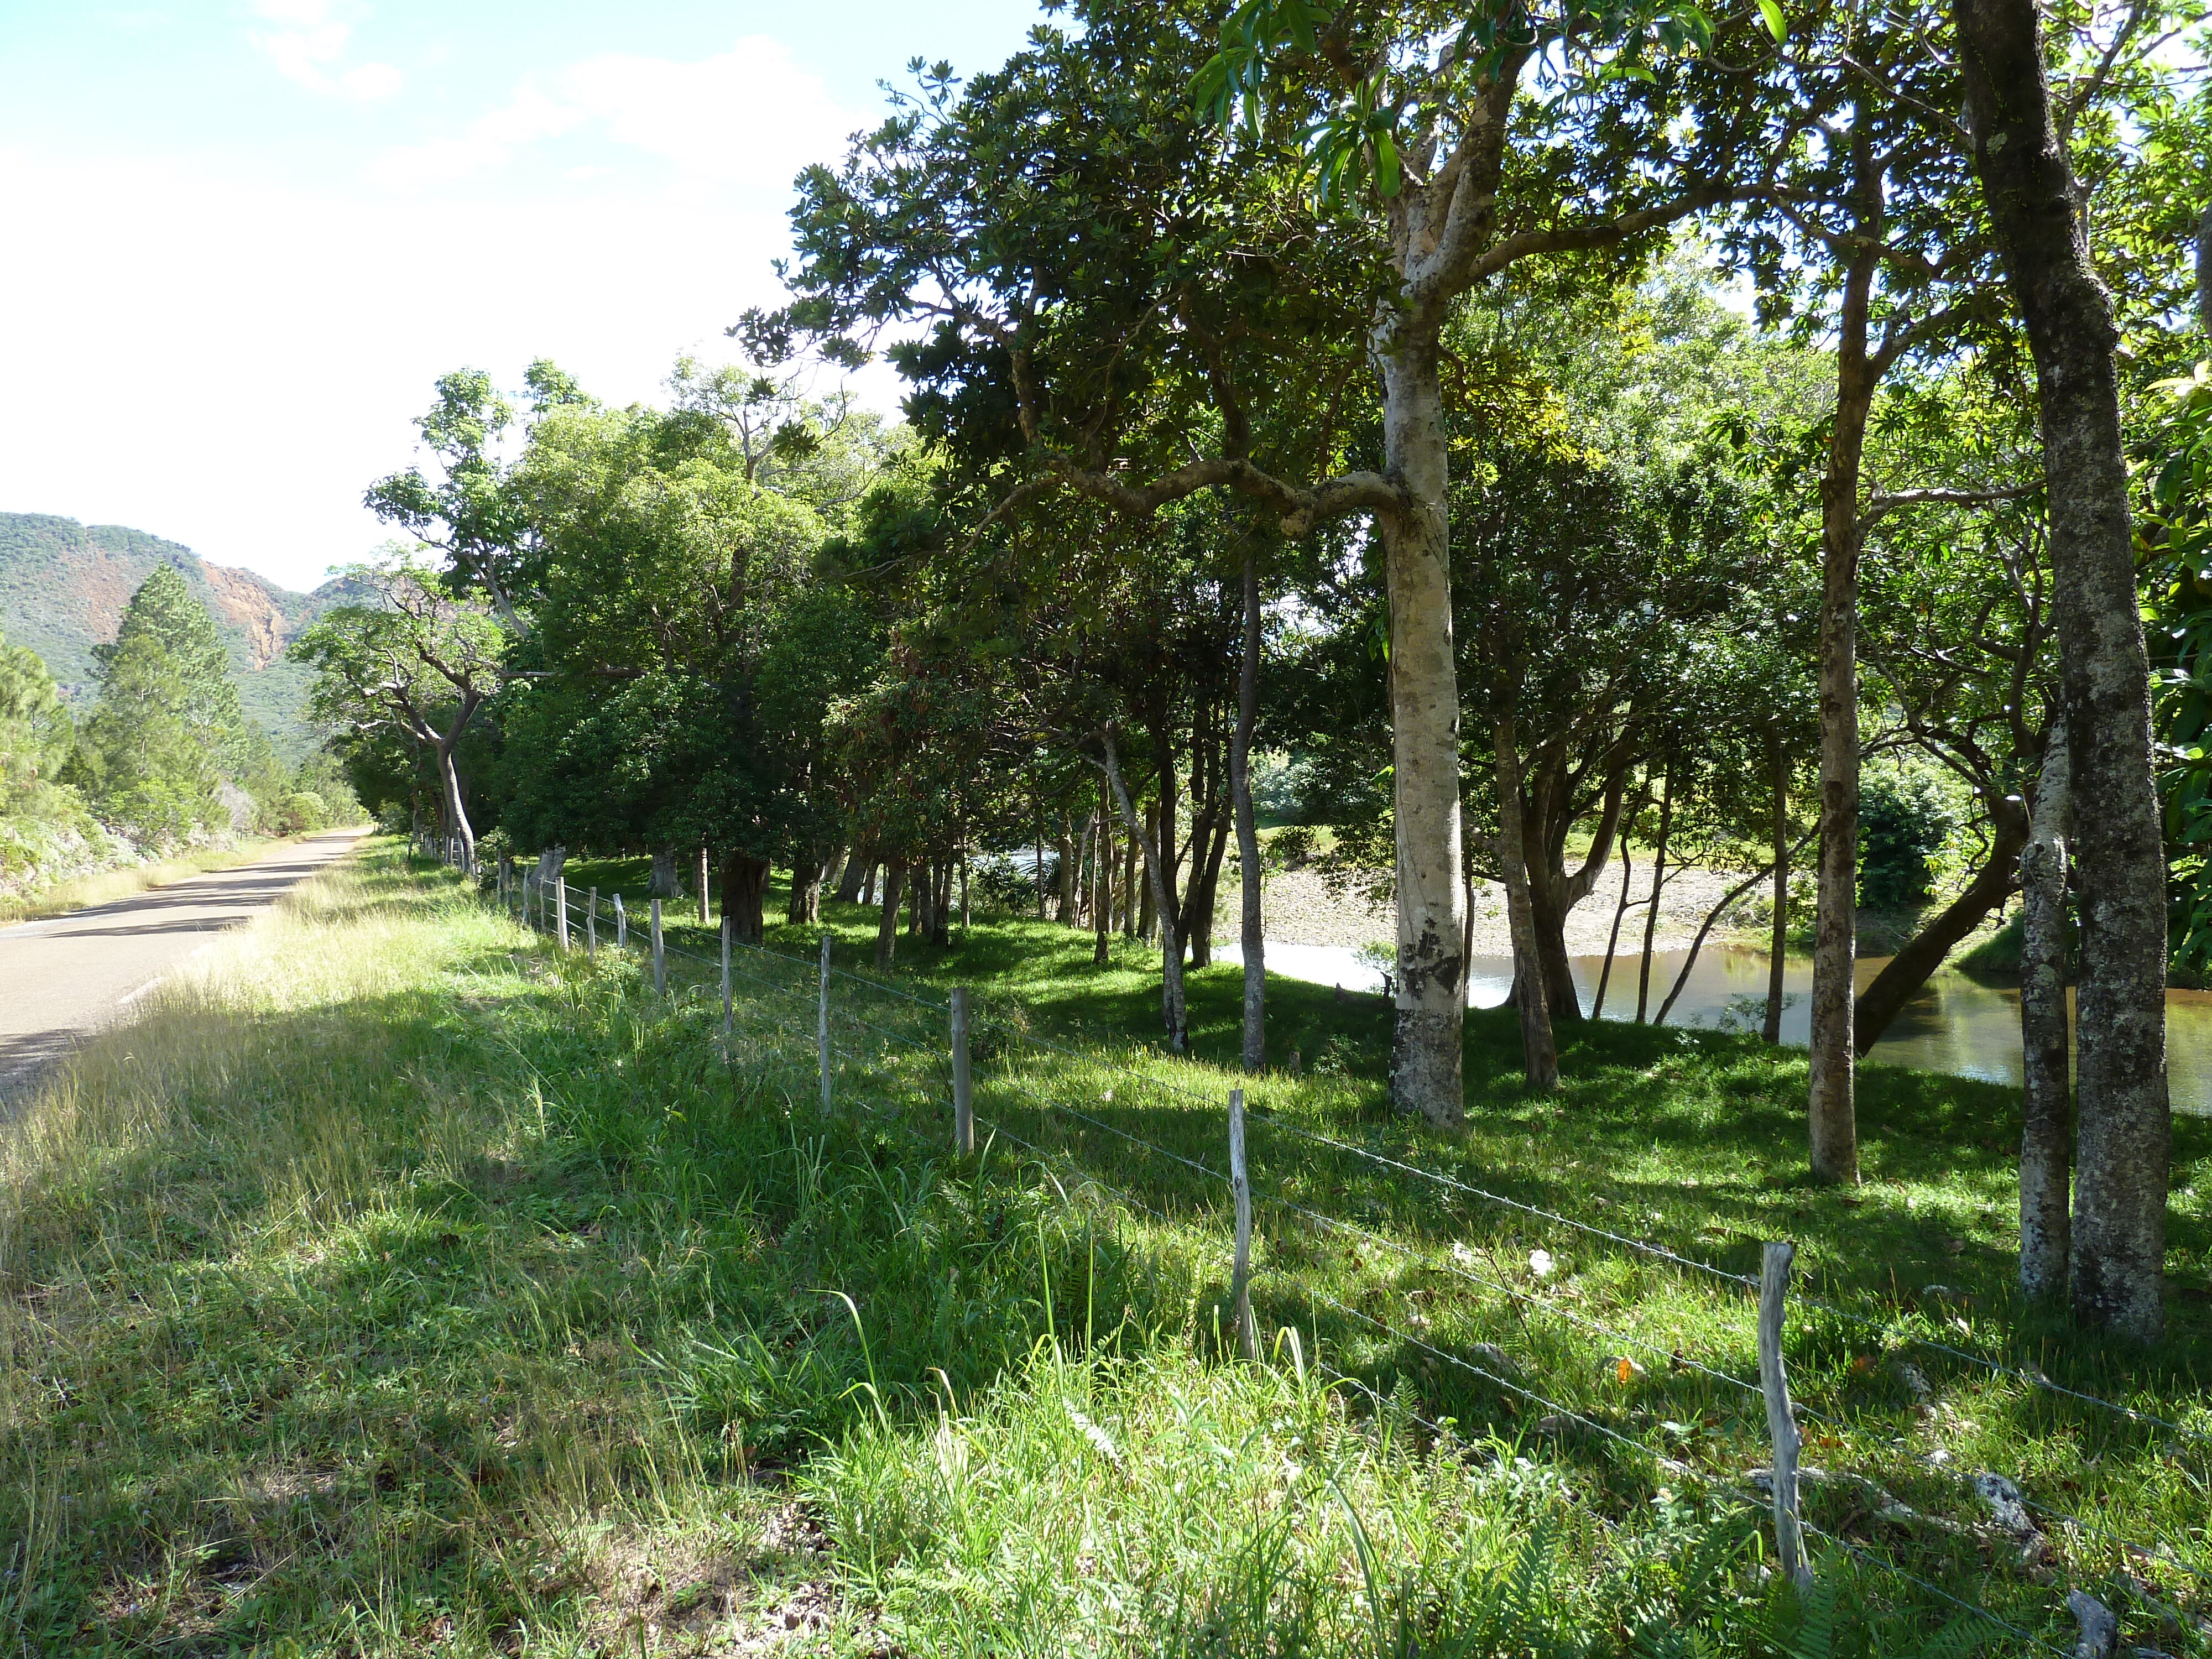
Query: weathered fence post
point(702, 886)
point(592, 924)
point(660, 961)
point(561, 910)
point(1240, 1278)
point(1781, 1423)
point(822, 1023)
point(964, 1082)
point(728, 1009)
point(622, 925)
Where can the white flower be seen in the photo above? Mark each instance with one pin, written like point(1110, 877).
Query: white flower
point(1540, 1263)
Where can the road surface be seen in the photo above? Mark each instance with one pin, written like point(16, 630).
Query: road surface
point(64, 978)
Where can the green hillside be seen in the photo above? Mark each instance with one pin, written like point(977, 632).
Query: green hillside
point(64, 585)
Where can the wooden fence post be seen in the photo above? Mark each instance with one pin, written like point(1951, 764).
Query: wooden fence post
point(1240, 1280)
point(659, 960)
point(822, 1023)
point(729, 1017)
point(1781, 1423)
point(592, 924)
point(964, 1082)
point(560, 911)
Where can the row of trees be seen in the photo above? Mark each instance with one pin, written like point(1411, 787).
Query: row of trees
point(1361, 385)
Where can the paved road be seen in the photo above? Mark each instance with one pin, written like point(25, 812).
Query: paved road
point(63, 978)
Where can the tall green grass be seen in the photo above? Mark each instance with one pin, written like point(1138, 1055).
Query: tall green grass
point(398, 1284)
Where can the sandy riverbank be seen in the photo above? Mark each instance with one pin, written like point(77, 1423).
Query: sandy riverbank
point(1300, 910)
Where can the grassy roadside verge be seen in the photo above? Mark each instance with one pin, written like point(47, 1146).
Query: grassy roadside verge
point(397, 1286)
point(109, 885)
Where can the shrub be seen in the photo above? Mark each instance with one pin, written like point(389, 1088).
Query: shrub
point(1902, 822)
point(300, 812)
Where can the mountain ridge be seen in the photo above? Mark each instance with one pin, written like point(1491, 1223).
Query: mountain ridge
point(64, 585)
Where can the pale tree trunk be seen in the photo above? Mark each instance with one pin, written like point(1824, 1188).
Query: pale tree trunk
point(1777, 767)
point(456, 815)
point(859, 869)
point(1173, 1009)
point(2123, 1158)
point(1431, 1010)
point(1248, 828)
point(1537, 1045)
point(1833, 1105)
point(664, 883)
point(2047, 1145)
point(704, 918)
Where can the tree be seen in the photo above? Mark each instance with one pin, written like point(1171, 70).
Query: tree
point(1101, 305)
point(2018, 136)
point(420, 663)
point(168, 727)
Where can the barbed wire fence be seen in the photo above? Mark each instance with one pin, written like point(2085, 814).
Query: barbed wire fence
point(921, 1055)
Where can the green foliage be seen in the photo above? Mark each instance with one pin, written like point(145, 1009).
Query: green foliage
point(2176, 529)
point(1904, 821)
point(168, 725)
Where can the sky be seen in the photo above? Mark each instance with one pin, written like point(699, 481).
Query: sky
point(239, 239)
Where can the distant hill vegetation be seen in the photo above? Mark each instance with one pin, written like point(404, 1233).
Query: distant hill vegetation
point(64, 585)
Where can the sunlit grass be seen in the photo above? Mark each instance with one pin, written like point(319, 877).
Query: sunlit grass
point(398, 1284)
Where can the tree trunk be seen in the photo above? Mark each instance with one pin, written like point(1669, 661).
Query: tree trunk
point(456, 814)
point(1528, 993)
point(1778, 768)
point(1129, 884)
point(1148, 915)
point(1613, 938)
point(704, 916)
point(860, 869)
point(887, 924)
point(1102, 902)
point(805, 906)
point(1206, 883)
point(2046, 1146)
point(1831, 1106)
point(868, 888)
point(940, 908)
point(1903, 975)
point(1430, 1008)
point(1064, 845)
point(1174, 1010)
point(1658, 883)
point(744, 886)
point(921, 881)
point(664, 883)
point(1248, 828)
point(2126, 1131)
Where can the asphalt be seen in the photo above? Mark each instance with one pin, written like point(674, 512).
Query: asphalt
point(64, 978)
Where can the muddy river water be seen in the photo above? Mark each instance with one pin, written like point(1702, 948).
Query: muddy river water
point(1955, 1024)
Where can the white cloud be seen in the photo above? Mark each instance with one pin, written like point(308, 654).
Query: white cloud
point(748, 116)
point(229, 363)
point(308, 46)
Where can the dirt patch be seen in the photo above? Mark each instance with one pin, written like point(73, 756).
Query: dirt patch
point(700, 1599)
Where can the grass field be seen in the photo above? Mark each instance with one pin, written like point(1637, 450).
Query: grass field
point(401, 1285)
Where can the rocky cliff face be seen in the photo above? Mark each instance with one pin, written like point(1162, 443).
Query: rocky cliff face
point(64, 585)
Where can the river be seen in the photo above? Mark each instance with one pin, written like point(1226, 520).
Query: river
point(1955, 1024)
